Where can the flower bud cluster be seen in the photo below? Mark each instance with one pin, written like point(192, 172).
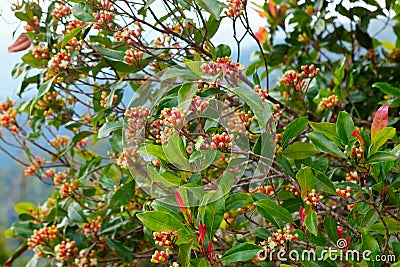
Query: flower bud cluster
point(41, 52)
point(68, 188)
point(127, 158)
point(60, 141)
point(86, 259)
point(313, 198)
point(35, 166)
point(223, 65)
point(198, 104)
point(32, 25)
point(222, 141)
point(160, 256)
point(60, 12)
point(133, 56)
point(128, 36)
point(66, 250)
point(8, 116)
point(75, 44)
point(235, 8)
point(92, 227)
point(344, 192)
point(352, 176)
point(280, 238)
point(43, 236)
point(328, 102)
point(266, 190)
point(104, 99)
point(73, 25)
point(263, 93)
point(165, 238)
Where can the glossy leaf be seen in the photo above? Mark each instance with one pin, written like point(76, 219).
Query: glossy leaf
point(328, 129)
point(270, 211)
point(311, 222)
point(387, 88)
point(306, 179)
point(345, 127)
point(241, 252)
point(175, 153)
point(160, 221)
point(121, 250)
point(300, 150)
point(108, 128)
point(323, 144)
point(293, 130)
point(123, 195)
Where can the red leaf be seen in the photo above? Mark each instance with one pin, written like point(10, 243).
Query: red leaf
point(22, 43)
point(380, 120)
point(357, 134)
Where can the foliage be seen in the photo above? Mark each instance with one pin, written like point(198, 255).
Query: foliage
point(210, 164)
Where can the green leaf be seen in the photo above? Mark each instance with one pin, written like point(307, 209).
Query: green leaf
point(223, 50)
point(24, 229)
point(43, 89)
point(381, 138)
point(322, 182)
point(381, 156)
point(211, 6)
point(387, 88)
point(75, 213)
point(83, 12)
point(199, 262)
point(323, 144)
point(161, 221)
point(238, 200)
point(108, 128)
point(71, 35)
point(271, 211)
point(392, 225)
point(306, 179)
point(213, 216)
point(344, 127)
point(293, 129)
point(300, 150)
point(123, 195)
point(121, 250)
point(194, 66)
point(166, 178)
point(25, 207)
point(260, 109)
point(186, 93)
point(184, 253)
point(175, 154)
point(370, 243)
point(311, 222)
point(110, 53)
point(154, 150)
point(330, 225)
point(328, 129)
point(241, 252)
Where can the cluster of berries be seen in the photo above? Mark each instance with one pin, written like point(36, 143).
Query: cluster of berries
point(235, 8)
point(328, 102)
point(313, 198)
point(61, 12)
point(223, 65)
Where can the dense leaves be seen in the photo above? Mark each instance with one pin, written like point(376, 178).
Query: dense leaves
point(211, 163)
